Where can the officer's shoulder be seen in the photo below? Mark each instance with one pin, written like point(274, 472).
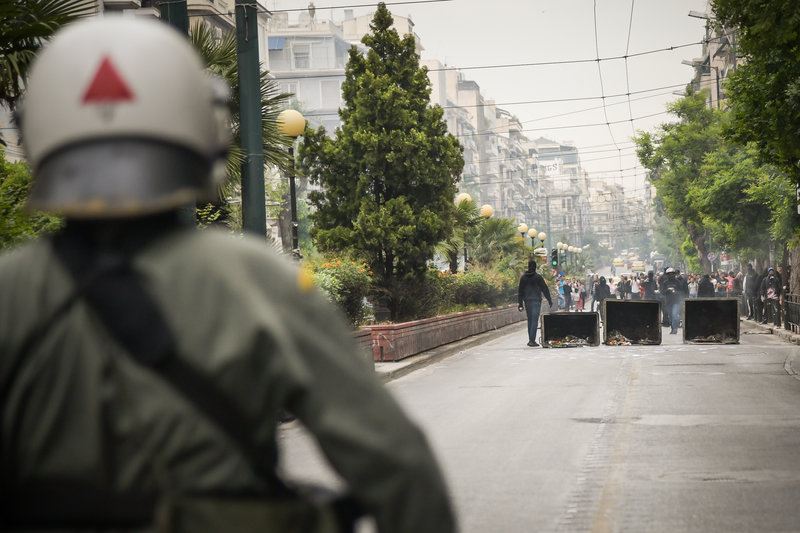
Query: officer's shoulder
point(23, 258)
point(239, 259)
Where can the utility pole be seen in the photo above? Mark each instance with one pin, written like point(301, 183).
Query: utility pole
point(175, 14)
point(547, 219)
point(254, 212)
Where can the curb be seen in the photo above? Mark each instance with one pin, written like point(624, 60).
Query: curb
point(792, 363)
point(391, 371)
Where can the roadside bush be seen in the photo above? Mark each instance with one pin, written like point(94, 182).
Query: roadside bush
point(417, 298)
point(345, 283)
point(475, 289)
point(472, 288)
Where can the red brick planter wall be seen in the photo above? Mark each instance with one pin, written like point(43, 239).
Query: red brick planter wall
point(393, 342)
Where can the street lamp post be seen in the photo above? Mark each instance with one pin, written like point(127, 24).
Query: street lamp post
point(522, 229)
point(292, 124)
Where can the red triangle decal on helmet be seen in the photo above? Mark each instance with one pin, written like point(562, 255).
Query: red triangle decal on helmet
point(107, 85)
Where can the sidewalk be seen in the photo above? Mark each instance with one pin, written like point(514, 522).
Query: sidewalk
point(393, 370)
point(792, 364)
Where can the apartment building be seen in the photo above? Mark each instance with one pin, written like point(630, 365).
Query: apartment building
point(718, 59)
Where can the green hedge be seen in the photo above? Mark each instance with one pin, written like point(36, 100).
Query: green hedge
point(346, 283)
point(349, 285)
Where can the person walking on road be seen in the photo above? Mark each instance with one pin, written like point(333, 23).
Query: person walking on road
point(145, 364)
point(532, 287)
point(673, 290)
point(602, 293)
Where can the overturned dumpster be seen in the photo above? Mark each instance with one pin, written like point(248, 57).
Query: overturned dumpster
point(631, 322)
point(711, 320)
point(568, 330)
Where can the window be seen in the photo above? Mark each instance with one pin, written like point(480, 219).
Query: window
point(331, 94)
point(302, 56)
point(289, 87)
point(275, 43)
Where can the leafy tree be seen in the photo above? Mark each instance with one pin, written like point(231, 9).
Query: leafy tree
point(764, 91)
point(736, 220)
point(17, 225)
point(24, 27)
point(674, 156)
point(388, 176)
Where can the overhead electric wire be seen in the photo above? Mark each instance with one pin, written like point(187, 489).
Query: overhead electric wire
point(361, 5)
point(295, 76)
point(600, 73)
point(548, 101)
point(627, 74)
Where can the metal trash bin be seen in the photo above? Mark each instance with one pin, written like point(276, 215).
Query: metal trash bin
point(568, 330)
point(631, 322)
point(711, 320)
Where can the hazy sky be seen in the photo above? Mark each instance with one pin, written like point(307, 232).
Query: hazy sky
point(490, 33)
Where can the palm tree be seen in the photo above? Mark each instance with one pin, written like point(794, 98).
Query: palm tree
point(24, 27)
point(466, 216)
point(219, 55)
point(493, 239)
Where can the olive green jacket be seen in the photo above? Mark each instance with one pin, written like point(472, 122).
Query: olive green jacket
point(80, 410)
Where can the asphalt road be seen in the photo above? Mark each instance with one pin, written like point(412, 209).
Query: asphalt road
point(633, 438)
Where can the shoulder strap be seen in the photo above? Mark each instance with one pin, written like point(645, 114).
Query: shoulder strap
point(134, 319)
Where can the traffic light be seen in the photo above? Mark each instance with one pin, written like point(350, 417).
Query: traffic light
point(554, 257)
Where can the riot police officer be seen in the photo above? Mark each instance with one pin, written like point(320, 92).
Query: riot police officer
point(145, 364)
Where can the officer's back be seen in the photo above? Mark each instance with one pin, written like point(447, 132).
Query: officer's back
point(145, 364)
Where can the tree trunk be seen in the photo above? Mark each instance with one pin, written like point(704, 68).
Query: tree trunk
point(794, 279)
point(698, 238)
point(285, 225)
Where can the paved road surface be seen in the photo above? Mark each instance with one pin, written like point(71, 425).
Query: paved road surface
point(659, 438)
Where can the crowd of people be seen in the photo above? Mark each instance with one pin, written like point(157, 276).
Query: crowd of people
point(761, 293)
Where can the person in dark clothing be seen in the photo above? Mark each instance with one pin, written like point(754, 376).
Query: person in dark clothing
point(705, 289)
point(649, 287)
point(531, 289)
point(602, 292)
point(758, 300)
point(673, 290)
point(592, 290)
point(771, 295)
point(751, 291)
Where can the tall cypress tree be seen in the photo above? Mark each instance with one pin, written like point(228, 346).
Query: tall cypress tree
point(389, 174)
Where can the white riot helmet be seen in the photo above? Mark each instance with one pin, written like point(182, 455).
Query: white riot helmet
point(120, 119)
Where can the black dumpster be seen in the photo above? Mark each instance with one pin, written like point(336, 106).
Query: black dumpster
point(711, 320)
point(631, 322)
point(567, 330)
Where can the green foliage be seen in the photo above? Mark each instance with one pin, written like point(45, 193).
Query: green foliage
point(465, 217)
point(493, 239)
point(388, 177)
point(764, 91)
point(735, 220)
point(690, 254)
point(476, 289)
point(25, 25)
point(345, 283)
point(674, 156)
point(777, 193)
point(17, 225)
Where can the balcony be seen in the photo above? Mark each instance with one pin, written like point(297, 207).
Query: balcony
point(116, 5)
